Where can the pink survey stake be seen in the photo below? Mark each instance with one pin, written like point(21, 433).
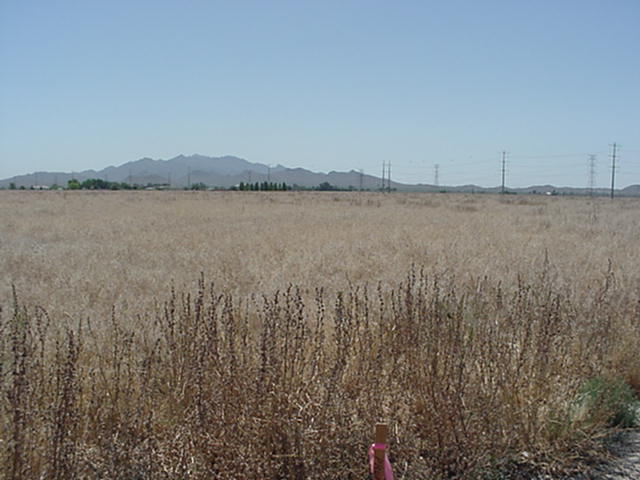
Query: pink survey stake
point(388, 472)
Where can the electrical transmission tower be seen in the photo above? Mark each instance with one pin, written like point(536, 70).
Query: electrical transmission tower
point(613, 167)
point(389, 177)
point(436, 179)
point(592, 174)
point(504, 168)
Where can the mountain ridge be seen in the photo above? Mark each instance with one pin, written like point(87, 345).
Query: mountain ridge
point(227, 171)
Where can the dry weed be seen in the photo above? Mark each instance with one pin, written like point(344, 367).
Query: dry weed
point(304, 330)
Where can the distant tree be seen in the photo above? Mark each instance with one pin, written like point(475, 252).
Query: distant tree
point(95, 184)
point(73, 184)
point(326, 186)
point(12, 186)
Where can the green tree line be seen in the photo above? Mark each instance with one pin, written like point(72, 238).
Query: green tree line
point(262, 187)
point(99, 184)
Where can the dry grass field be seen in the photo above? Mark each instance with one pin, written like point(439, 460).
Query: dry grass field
point(262, 335)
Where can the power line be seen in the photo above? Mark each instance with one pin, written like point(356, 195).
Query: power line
point(555, 155)
point(537, 166)
point(533, 170)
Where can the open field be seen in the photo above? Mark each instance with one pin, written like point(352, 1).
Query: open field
point(261, 335)
point(81, 253)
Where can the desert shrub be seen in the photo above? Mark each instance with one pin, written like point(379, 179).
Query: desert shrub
point(609, 400)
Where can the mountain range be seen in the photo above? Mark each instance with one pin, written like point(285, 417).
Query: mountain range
point(227, 171)
point(182, 171)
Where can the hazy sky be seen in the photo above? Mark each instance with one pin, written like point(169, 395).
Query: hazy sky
point(325, 85)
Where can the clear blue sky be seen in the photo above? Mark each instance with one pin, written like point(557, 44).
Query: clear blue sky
point(325, 85)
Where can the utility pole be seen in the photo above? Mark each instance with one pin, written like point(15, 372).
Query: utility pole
point(436, 179)
point(389, 178)
point(361, 178)
point(130, 178)
point(504, 167)
point(592, 174)
point(384, 165)
point(188, 177)
point(613, 167)
point(269, 173)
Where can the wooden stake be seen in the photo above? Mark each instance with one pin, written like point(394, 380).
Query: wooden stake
point(381, 436)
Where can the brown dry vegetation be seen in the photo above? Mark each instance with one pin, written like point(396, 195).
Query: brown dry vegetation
point(261, 335)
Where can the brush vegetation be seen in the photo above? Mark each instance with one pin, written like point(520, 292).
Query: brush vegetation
point(262, 335)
